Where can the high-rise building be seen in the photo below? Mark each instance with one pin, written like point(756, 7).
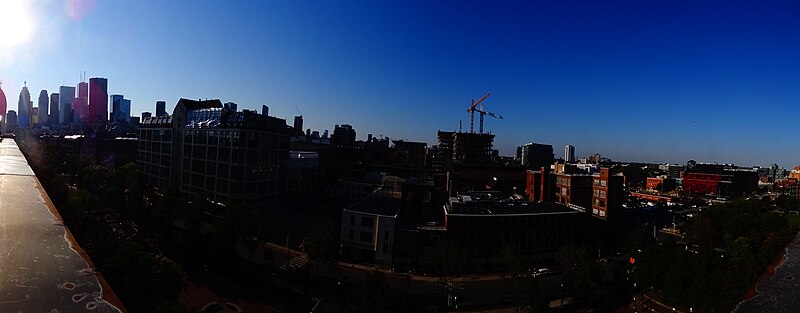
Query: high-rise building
point(120, 109)
point(3, 104)
point(343, 136)
point(298, 123)
point(66, 97)
point(43, 104)
point(53, 119)
point(535, 155)
point(265, 110)
point(569, 154)
point(24, 107)
point(34, 117)
point(161, 108)
point(98, 102)
point(80, 105)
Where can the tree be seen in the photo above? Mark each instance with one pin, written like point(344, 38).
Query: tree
point(528, 296)
point(582, 275)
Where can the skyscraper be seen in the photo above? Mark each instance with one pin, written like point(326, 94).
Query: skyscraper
point(98, 102)
point(116, 101)
point(120, 109)
point(298, 123)
point(43, 104)
point(24, 107)
point(535, 155)
point(66, 96)
point(53, 120)
point(569, 154)
point(161, 108)
point(80, 106)
point(265, 110)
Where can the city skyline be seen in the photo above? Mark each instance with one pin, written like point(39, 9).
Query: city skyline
point(631, 81)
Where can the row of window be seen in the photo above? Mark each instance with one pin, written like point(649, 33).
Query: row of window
point(600, 182)
point(600, 193)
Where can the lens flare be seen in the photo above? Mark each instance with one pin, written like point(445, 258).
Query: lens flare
point(16, 23)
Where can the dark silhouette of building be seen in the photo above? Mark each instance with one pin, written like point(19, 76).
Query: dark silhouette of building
point(298, 124)
point(98, 103)
point(43, 105)
point(161, 108)
point(535, 155)
point(54, 100)
point(465, 148)
point(208, 150)
point(343, 136)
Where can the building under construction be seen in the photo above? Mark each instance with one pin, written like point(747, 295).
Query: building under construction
point(465, 148)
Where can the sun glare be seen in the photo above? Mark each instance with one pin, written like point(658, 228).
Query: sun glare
point(16, 23)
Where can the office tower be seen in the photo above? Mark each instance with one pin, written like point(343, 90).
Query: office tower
point(98, 102)
point(80, 105)
point(534, 155)
point(173, 153)
point(53, 119)
point(298, 123)
point(66, 96)
point(569, 154)
point(43, 105)
point(3, 104)
point(265, 110)
point(344, 136)
point(24, 107)
point(120, 109)
point(161, 108)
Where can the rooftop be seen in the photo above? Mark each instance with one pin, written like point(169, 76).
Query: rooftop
point(489, 203)
point(380, 202)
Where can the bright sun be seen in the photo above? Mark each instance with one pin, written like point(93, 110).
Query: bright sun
point(16, 23)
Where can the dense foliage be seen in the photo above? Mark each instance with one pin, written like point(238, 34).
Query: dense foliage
point(723, 252)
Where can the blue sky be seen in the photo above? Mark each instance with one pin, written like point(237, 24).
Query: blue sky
point(657, 81)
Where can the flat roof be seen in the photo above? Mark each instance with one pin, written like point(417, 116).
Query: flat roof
point(380, 202)
point(43, 268)
point(486, 204)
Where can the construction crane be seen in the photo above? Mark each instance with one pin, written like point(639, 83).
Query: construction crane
point(472, 109)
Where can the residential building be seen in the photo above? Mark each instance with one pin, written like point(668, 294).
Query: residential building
point(661, 184)
point(368, 229)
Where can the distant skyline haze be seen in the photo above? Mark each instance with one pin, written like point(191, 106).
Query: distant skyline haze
point(631, 80)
